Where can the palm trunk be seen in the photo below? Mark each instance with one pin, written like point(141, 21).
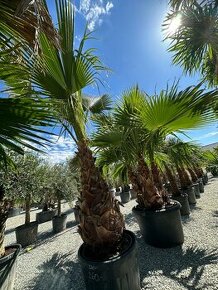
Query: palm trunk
point(101, 222)
point(156, 176)
point(27, 213)
point(147, 193)
point(184, 178)
point(3, 219)
point(198, 171)
point(172, 180)
point(193, 174)
point(59, 207)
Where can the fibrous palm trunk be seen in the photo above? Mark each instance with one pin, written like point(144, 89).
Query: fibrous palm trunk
point(101, 222)
point(193, 174)
point(173, 184)
point(198, 171)
point(183, 176)
point(3, 218)
point(143, 183)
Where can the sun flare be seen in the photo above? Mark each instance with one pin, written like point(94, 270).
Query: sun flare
point(175, 24)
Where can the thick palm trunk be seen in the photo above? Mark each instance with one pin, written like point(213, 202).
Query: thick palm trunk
point(27, 213)
point(193, 174)
point(101, 222)
point(143, 183)
point(198, 171)
point(172, 180)
point(156, 176)
point(184, 178)
point(3, 218)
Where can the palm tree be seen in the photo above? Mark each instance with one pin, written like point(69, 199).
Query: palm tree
point(194, 43)
point(60, 75)
point(22, 20)
point(140, 125)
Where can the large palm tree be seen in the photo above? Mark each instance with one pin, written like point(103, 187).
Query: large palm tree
point(61, 74)
point(194, 43)
point(140, 125)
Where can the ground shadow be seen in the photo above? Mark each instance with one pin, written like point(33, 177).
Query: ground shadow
point(183, 266)
point(59, 273)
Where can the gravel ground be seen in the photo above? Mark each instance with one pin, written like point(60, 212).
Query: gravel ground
point(52, 262)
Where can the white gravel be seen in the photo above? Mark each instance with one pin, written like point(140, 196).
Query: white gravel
point(52, 262)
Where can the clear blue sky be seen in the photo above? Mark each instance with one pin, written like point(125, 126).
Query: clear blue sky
point(130, 42)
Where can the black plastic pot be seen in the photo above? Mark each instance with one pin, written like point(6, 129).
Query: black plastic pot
point(27, 234)
point(201, 185)
point(196, 190)
point(183, 200)
point(76, 214)
point(133, 194)
point(14, 211)
point(191, 195)
point(161, 228)
point(59, 223)
point(117, 273)
point(8, 266)
point(125, 196)
point(205, 179)
point(45, 216)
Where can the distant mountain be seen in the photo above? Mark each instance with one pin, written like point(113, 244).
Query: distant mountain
point(210, 146)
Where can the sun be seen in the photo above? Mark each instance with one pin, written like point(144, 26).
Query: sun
point(175, 23)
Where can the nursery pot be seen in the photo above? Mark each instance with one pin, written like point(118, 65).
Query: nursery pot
point(183, 200)
point(196, 190)
point(205, 179)
point(191, 195)
point(201, 185)
point(27, 234)
point(120, 272)
point(125, 196)
point(161, 228)
point(76, 214)
point(44, 216)
point(8, 266)
point(14, 211)
point(59, 223)
point(133, 194)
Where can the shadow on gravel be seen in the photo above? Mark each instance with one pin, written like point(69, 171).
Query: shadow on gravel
point(183, 266)
point(59, 273)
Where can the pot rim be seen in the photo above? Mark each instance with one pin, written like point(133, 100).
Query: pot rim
point(175, 206)
point(10, 256)
point(25, 226)
point(129, 249)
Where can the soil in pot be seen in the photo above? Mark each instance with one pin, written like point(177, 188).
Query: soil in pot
point(8, 266)
point(59, 223)
point(45, 216)
point(201, 185)
point(27, 234)
point(161, 228)
point(120, 272)
point(196, 190)
point(183, 200)
point(125, 196)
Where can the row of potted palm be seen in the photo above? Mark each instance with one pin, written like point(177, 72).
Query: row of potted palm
point(138, 127)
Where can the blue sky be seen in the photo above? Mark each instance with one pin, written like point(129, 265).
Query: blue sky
point(129, 40)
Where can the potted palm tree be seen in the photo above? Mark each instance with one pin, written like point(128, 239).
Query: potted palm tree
point(61, 74)
point(140, 124)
